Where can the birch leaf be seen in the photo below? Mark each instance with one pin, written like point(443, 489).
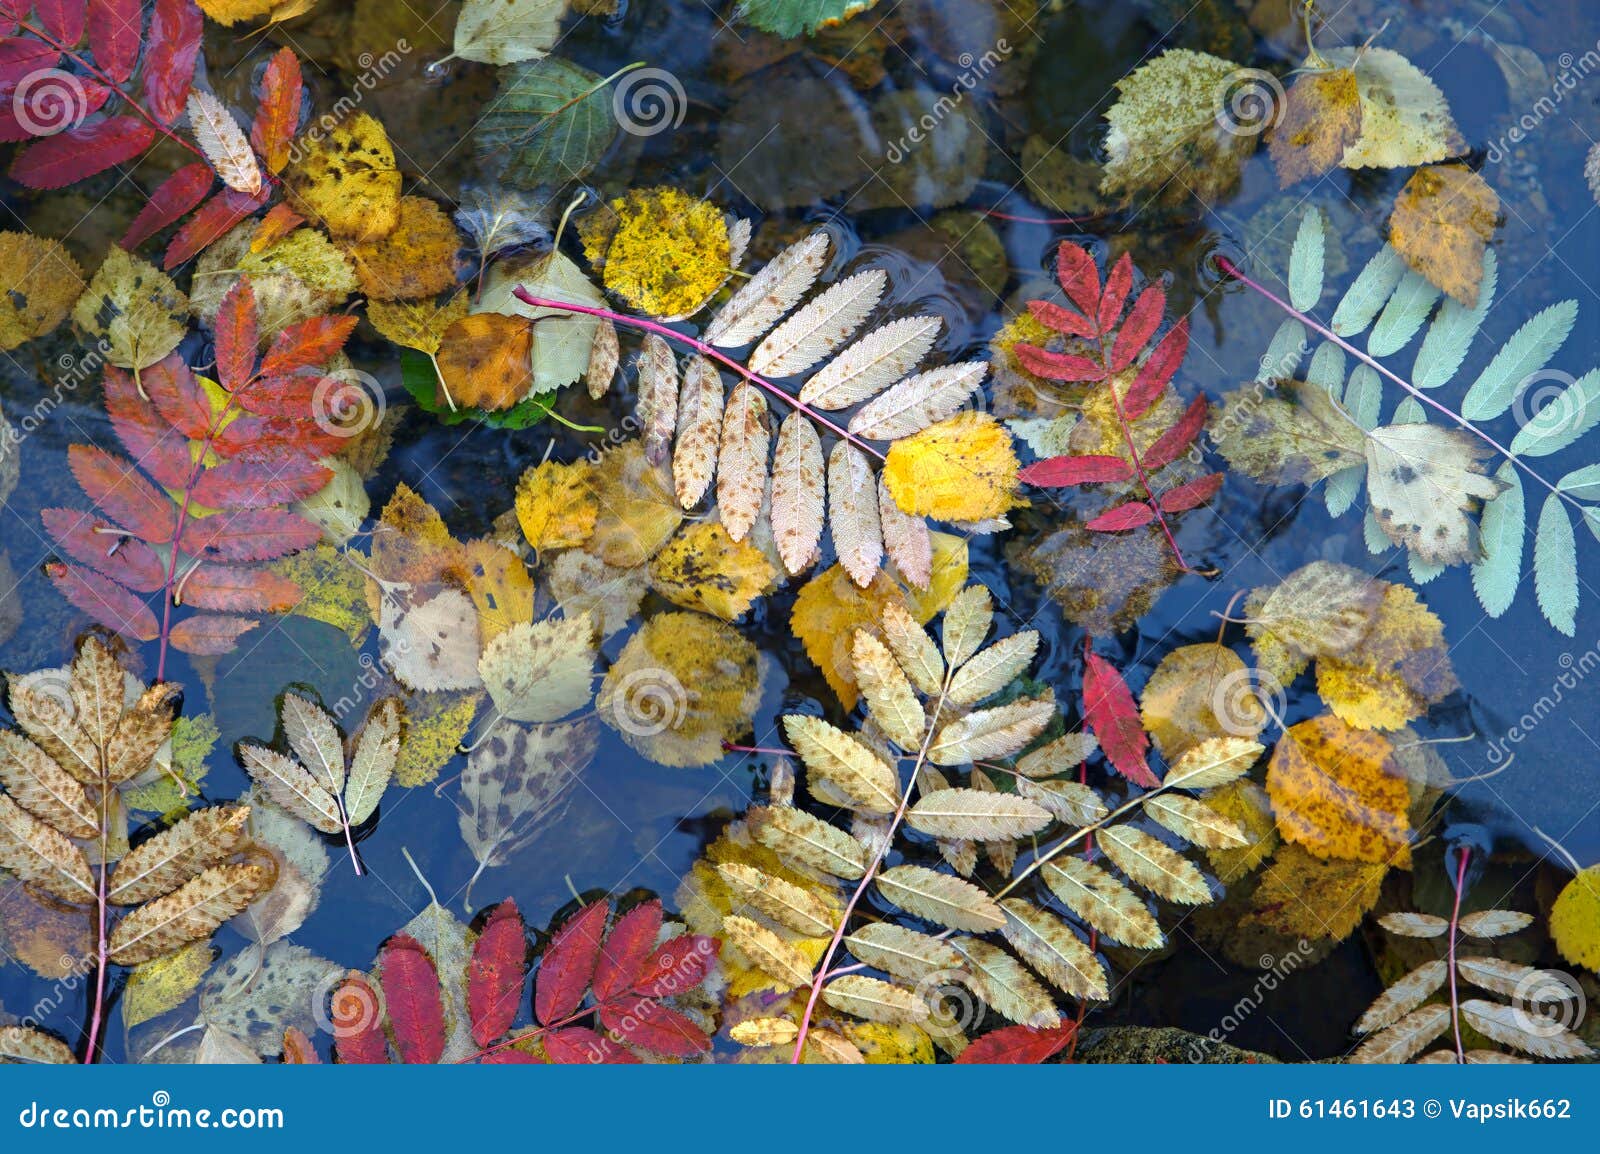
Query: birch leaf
point(517, 782)
point(1404, 117)
point(1424, 480)
point(540, 670)
point(135, 308)
point(507, 31)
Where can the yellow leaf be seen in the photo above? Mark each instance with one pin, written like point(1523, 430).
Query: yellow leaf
point(134, 308)
point(961, 469)
point(346, 180)
point(704, 568)
point(298, 276)
point(164, 984)
point(1323, 609)
point(1251, 809)
point(499, 585)
point(638, 509)
point(683, 685)
point(332, 590)
point(412, 543)
point(417, 258)
point(1575, 920)
point(1304, 896)
point(556, 505)
point(659, 249)
point(485, 361)
point(1399, 668)
point(1338, 792)
point(230, 12)
point(41, 282)
point(1442, 220)
point(1321, 119)
point(884, 1045)
point(418, 324)
point(1200, 691)
point(436, 725)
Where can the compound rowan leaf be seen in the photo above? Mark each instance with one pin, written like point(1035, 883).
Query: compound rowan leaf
point(170, 202)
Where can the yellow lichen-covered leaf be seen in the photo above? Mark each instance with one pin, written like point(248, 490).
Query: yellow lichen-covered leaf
point(42, 282)
point(1398, 669)
point(333, 591)
point(1323, 609)
point(540, 671)
point(418, 324)
point(890, 1044)
point(662, 251)
point(704, 568)
point(1103, 902)
point(1337, 791)
point(188, 914)
point(941, 898)
point(1404, 117)
point(891, 699)
point(1442, 220)
point(134, 308)
point(1575, 919)
point(164, 983)
point(414, 260)
point(848, 766)
point(436, 725)
point(683, 685)
point(638, 510)
point(875, 1000)
point(1321, 119)
point(771, 954)
point(962, 468)
point(1304, 896)
point(1247, 805)
point(1199, 692)
point(230, 12)
point(556, 505)
point(346, 180)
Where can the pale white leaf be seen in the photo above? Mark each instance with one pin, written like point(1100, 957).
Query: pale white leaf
point(820, 327)
point(769, 294)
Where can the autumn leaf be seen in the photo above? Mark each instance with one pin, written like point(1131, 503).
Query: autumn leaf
point(961, 469)
point(1198, 692)
point(1321, 119)
point(662, 251)
point(704, 568)
point(1399, 668)
point(1338, 792)
point(415, 259)
point(43, 281)
point(1109, 710)
point(346, 179)
point(1442, 220)
point(484, 361)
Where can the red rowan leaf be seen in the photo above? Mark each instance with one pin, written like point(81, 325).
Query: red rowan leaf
point(114, 27)
point(279, 222)
point(94, 541)
point(271, 439)
point(1170, 445)
point(496, 972)
point(63, 19)
point(1191, 493)
point(411, 997)
point(651, 1026)
point(292, 395)
point(149, 439)
point(25, 109)
point(625, 948)
point(56, 161)
point(580, 1046)
point(358, 1023)
point(248, 535)
point(233, 589)
point(307, 344)
point(118, 490)
point(511, 1057)
point(1140, 326)
point(214, 218)
point(177, 395)
point(1126, 516)
point(259, 484)
point(1118, 284)
point(22, 55)
point(235, 329)
point(1062, 320)
point(1017, 1045)
point(298, 1049)
point(104, 600)
point(1157, 370)
point(208, 636)
point(1058, 366)
point(278, 114)
point(568, 964)
point(1080, 279)
point(677, 965)
point(1109, 710)
point(170, 203)
point(173, 45)
point(1057, 472)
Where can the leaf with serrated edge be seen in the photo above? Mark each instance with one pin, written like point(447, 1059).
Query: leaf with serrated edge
point(966, 624)
point(764, 1032)
point(1494, 923)
point(820, 327)
point(918, 401)
point(853, 513)
point(795, 834)
point(201, 840)
point(1215, 761)
point(1156, 866)
point(784, 902)
point(1103, 902)
point(1066, 752)
point(940, 898)
point(1006, 986)
point(742, 459)
point(1048, 945)
point(1405, 1039)
point(985, 734)
point(875, 1001)
point(798, 492)
point(372, 764)
point(769, 294)
point(1070, 801)
point(314, 737)
point(913, 648)
point(891, 699)
point(902, 952)
point(1194, 821)
point(1403, 997)
point(864, 778)
point(871, 364)
point(976, 815)
point(657, 406)
point(1414, 925)
point(42, 856)
point(43, 788)
point(771, 954)
point(1511, 979)
point(188, 914)
point(1513, 1026)
point(990, 670)
point(291, 786)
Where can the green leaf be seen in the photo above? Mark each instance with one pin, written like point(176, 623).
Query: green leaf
point(550, 123)
point(420, 380)
point(1563, 420)
point(1452, 330)
point(1555, 566)
point(1369, 292)
point(1528, 351)
point(1283, 354)
point(1363, 401)
point(1306, 262)
point(1407, 309)
point(1584, 483)
point(788, 18)
point(1497, 573)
